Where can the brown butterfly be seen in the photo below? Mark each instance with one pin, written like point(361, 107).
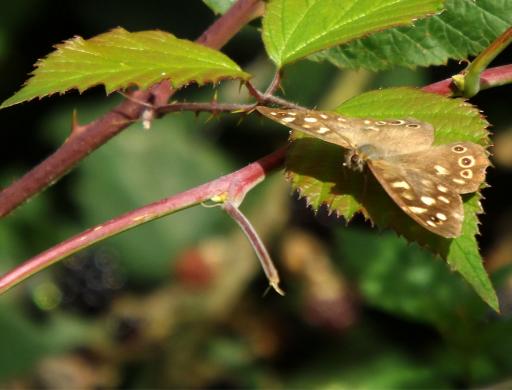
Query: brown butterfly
point(423, 179)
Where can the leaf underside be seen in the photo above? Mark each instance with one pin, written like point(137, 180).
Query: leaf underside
point(293, 29)
point(119, 59)
point(432, 41)
point(219, 6)
point(315, 169)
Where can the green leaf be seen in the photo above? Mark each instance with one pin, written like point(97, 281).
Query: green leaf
point(315, 169)
point(293, 29)
point(433, 41)
point(463, 254)
point(119, 59)
point(219, 6)
point(405, 279)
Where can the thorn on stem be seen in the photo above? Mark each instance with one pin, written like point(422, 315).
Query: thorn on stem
point(76, 128)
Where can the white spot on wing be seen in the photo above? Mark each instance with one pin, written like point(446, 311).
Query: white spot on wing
point(442, 188)
point(459, 181)
point(444, 199)
point(441, 216)
point(417, 210)
point(401, 184)
point(441, 170)
point(430, 223)
point(288, 119)
point(323, 130)
point(310, 119)
point(428, 200)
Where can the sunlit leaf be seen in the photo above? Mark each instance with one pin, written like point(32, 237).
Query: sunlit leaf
point(293, 29)
point(315, 169)
point(432, 41)
point(119, 59)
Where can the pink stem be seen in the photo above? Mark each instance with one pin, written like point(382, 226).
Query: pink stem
point(234, 185)
point(492, 77)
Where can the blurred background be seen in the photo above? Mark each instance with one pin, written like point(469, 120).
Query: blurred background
point(180, 302)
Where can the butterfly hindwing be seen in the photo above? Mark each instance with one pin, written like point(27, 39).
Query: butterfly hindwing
point(460, 165)
point(422, 196)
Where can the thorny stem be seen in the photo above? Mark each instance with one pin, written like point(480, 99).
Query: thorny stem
point(87, 138)
point(267, 96)
point(274, 84)
point(213, 107)
point(258, 246)
point(233, 187)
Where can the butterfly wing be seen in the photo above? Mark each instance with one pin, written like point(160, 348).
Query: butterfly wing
point(427, 184)
point(417, 193)
point(310, 122)
point(351, 133)
point(460, 166)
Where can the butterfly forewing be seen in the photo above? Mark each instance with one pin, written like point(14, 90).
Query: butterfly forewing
point(314, 123)
point(351, 133)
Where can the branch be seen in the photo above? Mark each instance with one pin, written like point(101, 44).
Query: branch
point(492, 77)
point(93, 135)
point(212, 107)
point(233, 187)
point(257, 244)
point(267, 96)
point(468, 81)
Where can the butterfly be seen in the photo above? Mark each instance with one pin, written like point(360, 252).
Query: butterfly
point(423, 179)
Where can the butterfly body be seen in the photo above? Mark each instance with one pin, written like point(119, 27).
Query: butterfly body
point(423, 179)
